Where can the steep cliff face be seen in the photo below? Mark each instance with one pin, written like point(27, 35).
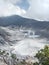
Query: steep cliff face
point(2, 62)
point(3, 36)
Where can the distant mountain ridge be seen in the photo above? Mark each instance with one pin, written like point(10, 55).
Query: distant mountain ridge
point(40, 28)
point(24, 22)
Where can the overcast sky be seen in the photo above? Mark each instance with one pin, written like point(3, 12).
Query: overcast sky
point(35, 9)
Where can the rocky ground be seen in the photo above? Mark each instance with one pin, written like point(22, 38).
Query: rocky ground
point(2, 62)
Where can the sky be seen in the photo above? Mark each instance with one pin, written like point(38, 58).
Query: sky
point(34, 9)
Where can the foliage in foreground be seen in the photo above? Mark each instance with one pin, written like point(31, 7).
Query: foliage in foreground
point(43, 56)
point(11, 59)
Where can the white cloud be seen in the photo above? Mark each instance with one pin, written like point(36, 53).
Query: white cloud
point(39, 9)
point(7, 8)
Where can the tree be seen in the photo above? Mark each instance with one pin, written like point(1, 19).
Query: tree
point(13, 56)
point(43, 56)
point(36, 63)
